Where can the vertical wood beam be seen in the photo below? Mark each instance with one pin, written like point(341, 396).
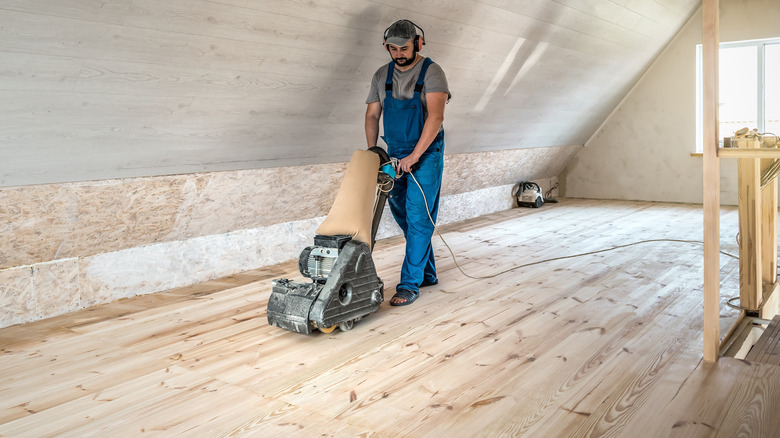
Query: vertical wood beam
point(711, 172)
point(769, 244)
point(749, 193)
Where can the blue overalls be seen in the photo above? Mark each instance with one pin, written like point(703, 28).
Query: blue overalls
point(403, 125)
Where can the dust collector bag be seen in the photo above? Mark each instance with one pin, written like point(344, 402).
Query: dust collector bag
point(353, 210)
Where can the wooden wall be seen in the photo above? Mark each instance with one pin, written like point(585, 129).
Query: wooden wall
point(95, 90)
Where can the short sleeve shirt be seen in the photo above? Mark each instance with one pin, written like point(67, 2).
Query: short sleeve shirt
point(404, 81)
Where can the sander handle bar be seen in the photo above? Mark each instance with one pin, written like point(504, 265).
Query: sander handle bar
point(383, 157)
point(383, 179)
point(388, 173)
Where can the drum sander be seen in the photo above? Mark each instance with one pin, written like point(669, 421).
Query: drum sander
point(344, 285)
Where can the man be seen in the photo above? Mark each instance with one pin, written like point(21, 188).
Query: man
point(409, 95)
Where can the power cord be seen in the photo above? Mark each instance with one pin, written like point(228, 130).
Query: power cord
point(746, 309)
point(548, 195)
point(454, 259)
point(729, 302)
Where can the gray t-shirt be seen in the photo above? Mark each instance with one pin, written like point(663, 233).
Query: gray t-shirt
point(403, 83)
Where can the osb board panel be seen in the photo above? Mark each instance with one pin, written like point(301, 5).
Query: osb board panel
point(55, 221)
point(65, 285)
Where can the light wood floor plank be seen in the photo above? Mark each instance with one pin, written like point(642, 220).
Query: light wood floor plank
point(607, 344)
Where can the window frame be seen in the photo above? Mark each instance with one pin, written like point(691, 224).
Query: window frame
point(760, 46)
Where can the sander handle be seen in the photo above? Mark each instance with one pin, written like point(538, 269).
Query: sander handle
point(382, 179)
point(388, 172)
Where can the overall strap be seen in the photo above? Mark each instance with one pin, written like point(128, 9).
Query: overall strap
point(419, 85)
point(389, 81)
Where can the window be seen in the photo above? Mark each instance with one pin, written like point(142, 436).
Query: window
point(772, 87)
point(749, 88)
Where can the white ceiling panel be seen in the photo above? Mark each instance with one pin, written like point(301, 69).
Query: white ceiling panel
point(142, 87)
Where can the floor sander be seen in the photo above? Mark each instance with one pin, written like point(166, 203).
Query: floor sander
point(344, 285)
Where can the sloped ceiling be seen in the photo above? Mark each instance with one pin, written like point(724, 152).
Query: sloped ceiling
point(94, 90)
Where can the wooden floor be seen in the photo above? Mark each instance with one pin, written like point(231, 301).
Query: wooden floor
point(767, 349)
point(601, 345)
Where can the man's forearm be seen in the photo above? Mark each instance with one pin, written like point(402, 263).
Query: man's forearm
point(372, 131)
point(430, 131)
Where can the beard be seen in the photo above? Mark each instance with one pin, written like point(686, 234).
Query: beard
point(404, 61)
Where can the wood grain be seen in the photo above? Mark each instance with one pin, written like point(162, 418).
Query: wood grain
point(711, 176)
point(600, 345)
point(750, 248)
point(771, 305)
point(767, 349)
point(141, 88)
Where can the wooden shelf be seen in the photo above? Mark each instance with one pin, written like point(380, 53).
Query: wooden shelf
point(748, 153)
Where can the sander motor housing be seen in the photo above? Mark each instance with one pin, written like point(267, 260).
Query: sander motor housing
point(344, 288)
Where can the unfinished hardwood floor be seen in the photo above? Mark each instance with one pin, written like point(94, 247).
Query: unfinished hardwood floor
point(608, 344)
point(767, 349)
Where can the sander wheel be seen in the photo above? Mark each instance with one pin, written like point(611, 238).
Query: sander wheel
point(327, 329)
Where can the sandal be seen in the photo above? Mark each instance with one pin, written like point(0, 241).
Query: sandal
point(405, 294)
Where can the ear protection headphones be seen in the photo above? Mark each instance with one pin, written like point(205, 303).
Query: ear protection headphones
point(418, 42)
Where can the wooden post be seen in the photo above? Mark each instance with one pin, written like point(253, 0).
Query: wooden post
point(750, 248)
point(769, 246)
point(711, 183)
